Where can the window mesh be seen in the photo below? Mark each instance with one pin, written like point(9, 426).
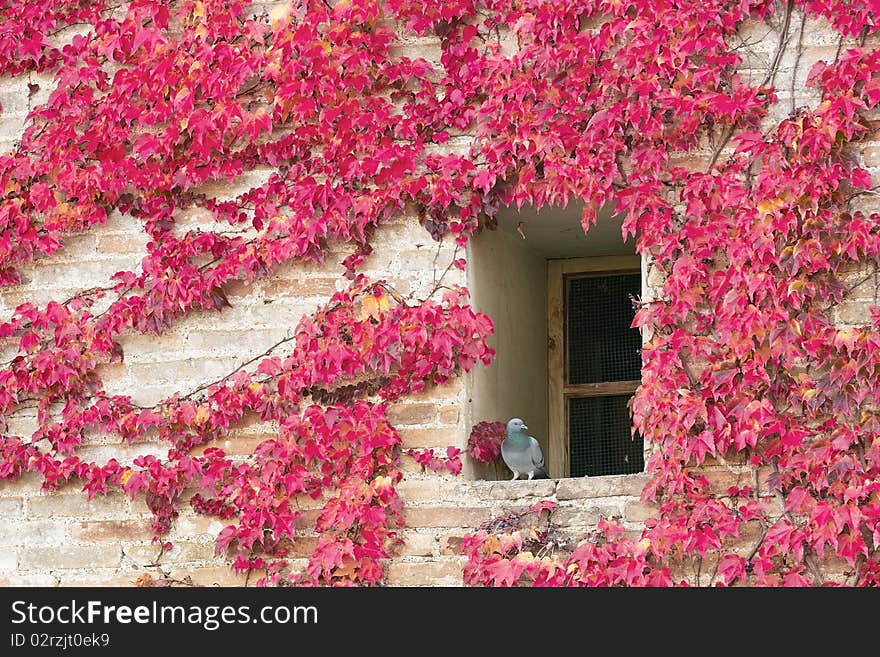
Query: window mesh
point(601, 345)
point(602, 348)
point(600, 438)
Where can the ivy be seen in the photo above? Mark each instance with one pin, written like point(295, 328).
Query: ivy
point(561, 100)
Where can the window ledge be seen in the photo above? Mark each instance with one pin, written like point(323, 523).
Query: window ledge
point(567, 488)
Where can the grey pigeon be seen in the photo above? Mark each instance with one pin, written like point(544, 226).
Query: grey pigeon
point(522, 453)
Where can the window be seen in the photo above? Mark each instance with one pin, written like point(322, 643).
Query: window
point(594, 365)
point(566, 360)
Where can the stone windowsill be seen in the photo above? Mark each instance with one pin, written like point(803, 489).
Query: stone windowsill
point(566, 488)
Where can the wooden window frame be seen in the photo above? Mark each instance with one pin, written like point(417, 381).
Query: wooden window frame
point(558, 271)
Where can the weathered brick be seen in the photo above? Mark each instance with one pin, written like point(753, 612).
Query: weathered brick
point(122, 243)
point(639, 511)
point(31, 532)
point(449, 415)
point(428, 573)
point(445, 516)
point(232, 445)
point(765, 477)
point(442, 393)
point(11, 507)
point(583, 517)
point(190, 369)
point(516, 490)
point(430, 51)
point(303, 546)
point(191, 525)
point(696, 572)
point(833, 568)
point(305, 287)
point(307, 519)
point(419, 490)
point(406, 414)
point(691, 162)
point(749, 533)
point(871, 155)
point(656, 278)
point(28, 579)
point(180, 552)
point(71, 556)
point(8, 559)
point(721, 480)
point(773, 505)
point(111, 530)
point(101, 506)
point(422, 438)
point(105, 577)
point(240, 340)
point(212, 576)
point(408, 465)
point(27, 484)
point(853, 313)
point(608, 486)
point(450, 544)
point(419, 544)
point(731, 459)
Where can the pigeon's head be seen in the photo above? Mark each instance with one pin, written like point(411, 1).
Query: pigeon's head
point(515, 425)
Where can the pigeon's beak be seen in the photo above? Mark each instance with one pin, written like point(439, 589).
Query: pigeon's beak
point(525, 428)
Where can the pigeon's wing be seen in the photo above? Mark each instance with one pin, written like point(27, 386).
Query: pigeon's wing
point(510, 454)
point(536, 455)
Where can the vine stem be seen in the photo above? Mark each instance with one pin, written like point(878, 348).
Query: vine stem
point(768, 79)
point(781, 45)
point(250, 361)
point(797, 60)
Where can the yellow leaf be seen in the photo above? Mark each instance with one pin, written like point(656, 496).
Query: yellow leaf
point(347, 570)
point(373, 306)
point(256, 387)
point(279, 14)
point(527, 557)
point(202, 414)
point(769, 206)
point(125, 476)
point(492, 544)
point(182, 93)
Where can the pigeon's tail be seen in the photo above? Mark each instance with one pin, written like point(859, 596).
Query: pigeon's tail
point(541, 474)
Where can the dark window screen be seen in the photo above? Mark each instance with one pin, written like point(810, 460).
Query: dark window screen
point(600, 439)
point(602, 348)
point(601, 345)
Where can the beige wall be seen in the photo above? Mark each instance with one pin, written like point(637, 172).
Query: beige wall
point(509, 283)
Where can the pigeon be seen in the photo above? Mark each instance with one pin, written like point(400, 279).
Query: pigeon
point(522, 453)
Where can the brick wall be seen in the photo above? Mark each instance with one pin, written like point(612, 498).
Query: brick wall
point(63, 539)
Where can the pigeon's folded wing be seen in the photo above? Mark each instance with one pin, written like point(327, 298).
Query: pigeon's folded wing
point(536, 455)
